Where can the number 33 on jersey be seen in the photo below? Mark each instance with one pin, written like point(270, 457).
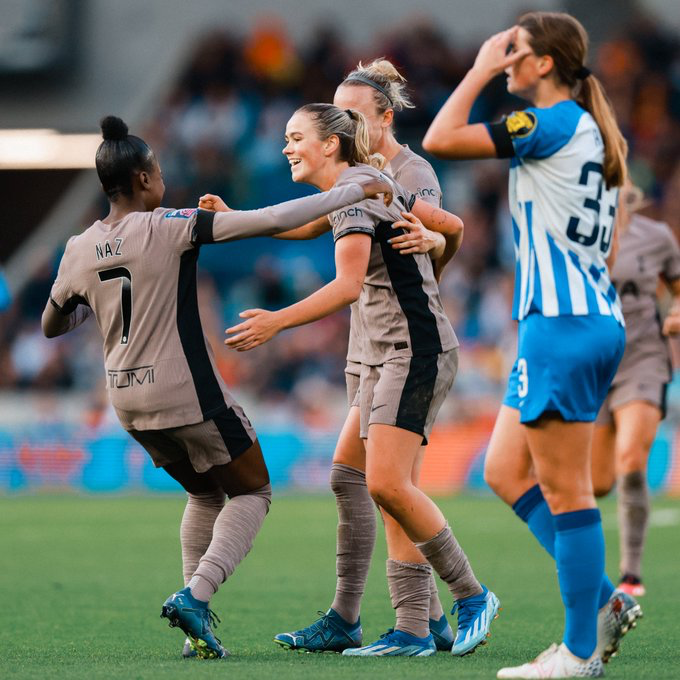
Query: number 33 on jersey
point(562, 212)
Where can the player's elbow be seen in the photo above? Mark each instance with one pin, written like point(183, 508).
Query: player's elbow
point(351, 289)
point(48, 330)
point(430, 143)
point(49, 324)
point(434, 144)
point(456, 227)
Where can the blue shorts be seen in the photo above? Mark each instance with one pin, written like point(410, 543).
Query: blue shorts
point(564, 365)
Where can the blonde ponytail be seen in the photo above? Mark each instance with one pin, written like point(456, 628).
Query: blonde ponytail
point(362, 143)
point(593, 99)
point(349, 127)
point(389, 86)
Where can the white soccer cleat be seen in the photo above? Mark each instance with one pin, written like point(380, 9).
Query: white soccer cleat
point(557, 662)
point(614, 620)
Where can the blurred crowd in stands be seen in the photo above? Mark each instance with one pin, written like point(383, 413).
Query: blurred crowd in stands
point(221, 131)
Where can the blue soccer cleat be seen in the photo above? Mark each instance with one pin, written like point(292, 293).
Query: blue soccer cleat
point(330, 633)
point(196, 620)
point(442, 634)
point(396, 643)
point(475, 615)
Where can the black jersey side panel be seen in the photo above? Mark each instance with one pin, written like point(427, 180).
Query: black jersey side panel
point(208, 389)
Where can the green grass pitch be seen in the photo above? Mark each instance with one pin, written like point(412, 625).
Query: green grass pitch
point(82, 581)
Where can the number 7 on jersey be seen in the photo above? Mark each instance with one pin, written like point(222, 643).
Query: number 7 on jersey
point(125, 276)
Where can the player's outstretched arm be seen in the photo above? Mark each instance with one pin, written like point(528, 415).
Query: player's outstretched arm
point(57, 321)
point(351, 263)
point(306, 232)
point(450, 135)
point(236, 224)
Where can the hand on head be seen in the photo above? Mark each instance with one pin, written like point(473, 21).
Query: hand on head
point(497, 53)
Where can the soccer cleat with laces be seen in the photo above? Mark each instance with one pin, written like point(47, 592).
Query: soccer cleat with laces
point(442, 634)
point(330, 633)
point(475, 615)
point(614, 620)
point(196, 620)
point(556, 662)
point(396, 643)
point(632, 585)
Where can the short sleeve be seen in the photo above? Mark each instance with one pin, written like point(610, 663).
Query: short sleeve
point(62, 296)
point(671, 262)
point(185, 228)
point(355, 219)
point(422, 181)
point(534, 132)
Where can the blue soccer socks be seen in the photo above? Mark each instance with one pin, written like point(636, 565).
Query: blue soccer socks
point(579, 553)
point(532, 509)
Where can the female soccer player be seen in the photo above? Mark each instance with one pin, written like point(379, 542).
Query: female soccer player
point(377, 90)
point(628, 419)
point(408, 355)
point(135, 270)
point(567, 160)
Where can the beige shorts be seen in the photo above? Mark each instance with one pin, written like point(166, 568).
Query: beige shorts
point(636, 388)
point(406, 392)
point(352, 379)
point(217, 441)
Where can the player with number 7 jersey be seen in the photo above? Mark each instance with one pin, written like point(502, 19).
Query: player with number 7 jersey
point(135, 270)
point(138, 275)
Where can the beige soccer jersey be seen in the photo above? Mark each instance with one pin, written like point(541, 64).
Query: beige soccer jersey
point(414, 173)
point(139, 277)
point(399, 311)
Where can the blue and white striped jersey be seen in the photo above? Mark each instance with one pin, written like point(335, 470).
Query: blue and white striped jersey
point(562, 212)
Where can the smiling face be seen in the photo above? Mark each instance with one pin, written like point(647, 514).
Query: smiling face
point(307, 154)
point(361, 98)
point(525, 74)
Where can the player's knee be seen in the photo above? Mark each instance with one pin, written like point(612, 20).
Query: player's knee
point(343, 475)
point(498, 480)
point(214, 498)
point(632, 456)
point(385, 493)
point(263, 492)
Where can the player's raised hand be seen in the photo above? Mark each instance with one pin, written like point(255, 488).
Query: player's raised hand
point(259, 327)
point(213, 203)
point(373, 188)
point(498, 53)
point(417, 239)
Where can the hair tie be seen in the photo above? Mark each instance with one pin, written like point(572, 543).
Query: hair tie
point(582, 73)
point(370, 83)
point(349, 113)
